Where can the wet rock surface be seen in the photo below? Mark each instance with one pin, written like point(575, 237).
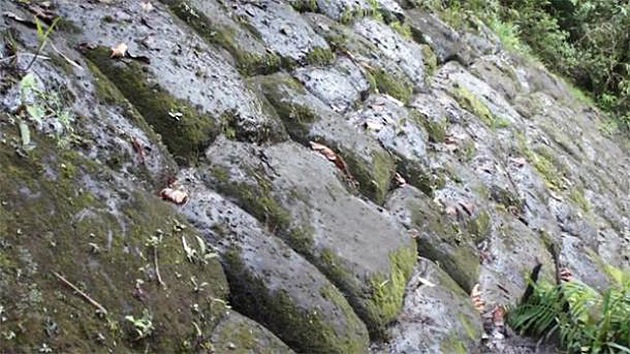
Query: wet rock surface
point(306, 154)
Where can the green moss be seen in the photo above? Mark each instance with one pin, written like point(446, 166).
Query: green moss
point(223, 35)
point(446, 246)
point(435, 129)
point(402, 28)
point(303, 330)
point(67, 26)
point(508, 199)
point(281, 91)
point(256, 199)
point(471, 103)
point(62, 227)
point(452, 344)
point(542, 164)
point(480, 227)
point(184, 130)
point(373, 176)
point(398, 87)
point(319, 56)
point(305, 5)
point(577, 196)
point(388, 291)
point(430, 59)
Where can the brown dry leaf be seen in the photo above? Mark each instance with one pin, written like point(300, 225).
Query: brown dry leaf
point(400, 180)
point(138, 146)
point(339, 162)
point(475, 296)
point(177, 196)
point(324, 150)
point(119, 51)
point(566, 275)
point(498, 316)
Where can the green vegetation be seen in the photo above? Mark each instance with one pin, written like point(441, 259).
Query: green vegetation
point(63, 237)
point(583, 40)
point(185, 131)
point(583, 319)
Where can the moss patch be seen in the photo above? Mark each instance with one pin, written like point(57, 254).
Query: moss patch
point(319, 56)
point(385, 82)
point(430, 59)
point(51, 222)
point(223, 35)
point(184, 130)
point(471, 103)
point(545, 167)
point(281, 90)
point(446, 246)
point(388, 291)
point(301, 329)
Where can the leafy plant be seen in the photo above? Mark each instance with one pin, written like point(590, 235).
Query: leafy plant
point(41, 105)
point(581, 318)
point(42, 37)
point(143, 325)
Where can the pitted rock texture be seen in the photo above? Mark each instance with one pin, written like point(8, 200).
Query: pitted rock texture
point(349, 171)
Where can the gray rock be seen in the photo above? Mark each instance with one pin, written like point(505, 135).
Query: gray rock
point(443, 40)
point(284, 31)
point(270, 282)
point(297, 193)
point(398, 130)
point(404, 52)
point(437, 317)
point(309, 119)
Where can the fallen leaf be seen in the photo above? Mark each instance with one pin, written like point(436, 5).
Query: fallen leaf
point(139, 148)
point(450, 210)
point(498, 316)
point(324, 150)
point(400, 180)
point(177, 196)
point(332, 156)
point(566, 275)
point(475, 296)
point(119, 51)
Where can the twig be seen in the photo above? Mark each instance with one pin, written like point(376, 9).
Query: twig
point(84, 295)
point(157, 268)
point(70, 61)
point(39, 56)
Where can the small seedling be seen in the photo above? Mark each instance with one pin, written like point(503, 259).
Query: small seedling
point(143, 325)
point(197, 287)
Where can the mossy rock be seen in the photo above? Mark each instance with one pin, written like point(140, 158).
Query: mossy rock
point(249, 60)
point(383, 81)
point(185, 131)
point(308, 331)
point(281, 199)
point(240, 335)
point(474, 105)
point(440, 240)
point(308, 119)
point(105, 239)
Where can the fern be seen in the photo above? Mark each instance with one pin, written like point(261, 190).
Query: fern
point(584, 320)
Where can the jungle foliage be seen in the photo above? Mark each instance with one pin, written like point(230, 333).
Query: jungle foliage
point(586, 41)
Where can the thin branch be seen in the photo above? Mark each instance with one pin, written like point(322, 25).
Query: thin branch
point(84, 295)
point(157, 267)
